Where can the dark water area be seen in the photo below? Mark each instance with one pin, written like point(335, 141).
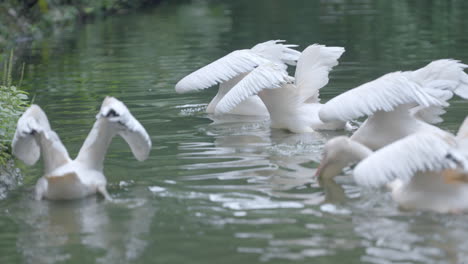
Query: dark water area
point(225, 189)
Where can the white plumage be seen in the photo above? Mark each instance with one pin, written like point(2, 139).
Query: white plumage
point(65, 178)
point(267, 76)
point(383, 94)
point(402, 159)
point(221, 70)
point(427, 171)
point(293, 103)
point(430, 86)
point(395, 104)
point(230, 69)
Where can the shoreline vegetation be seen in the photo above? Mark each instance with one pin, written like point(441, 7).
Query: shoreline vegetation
point(13, 102)
point(29, 20)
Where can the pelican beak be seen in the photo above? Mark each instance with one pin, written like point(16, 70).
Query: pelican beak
point(318, 172)
point(453, 176)
point(322, 166)
point(328, 169)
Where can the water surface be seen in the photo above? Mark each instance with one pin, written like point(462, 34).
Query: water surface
point(226, 189)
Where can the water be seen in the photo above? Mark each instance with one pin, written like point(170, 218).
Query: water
point(225, 189)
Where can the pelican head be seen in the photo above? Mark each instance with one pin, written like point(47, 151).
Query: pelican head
point(338, 153)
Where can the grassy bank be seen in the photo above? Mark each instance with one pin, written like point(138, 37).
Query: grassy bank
point(13, 101)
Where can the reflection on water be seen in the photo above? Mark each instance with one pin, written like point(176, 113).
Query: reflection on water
point(226, 189)
point(54, 232)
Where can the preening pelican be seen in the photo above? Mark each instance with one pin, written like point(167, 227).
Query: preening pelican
point(425, 171)
point(398, 104)
point(293, 103)
point(65, 178)
point(230, 69)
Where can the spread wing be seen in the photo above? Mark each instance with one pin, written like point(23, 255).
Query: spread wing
point(277, 52)
point(133, 133)
point(447, 74)
point(383, 94)
point(33, 134)
point(444, 71)
point(312, 70)
point(238, 62)
point(420, 152)
point(113, 118)
point(221, 70)
point(267, 76)
point(431, 114)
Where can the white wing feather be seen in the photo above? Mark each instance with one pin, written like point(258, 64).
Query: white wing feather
point(383, 94)
point(402, 159)
point(312, 69)
point(238, 62)
point(24, 146)
point(221, 70)
point(134, 134)
point(431, 114)
point(445, 70)
point(430, 86)
point(267, 76)
point(275, 51)
point(33, 132)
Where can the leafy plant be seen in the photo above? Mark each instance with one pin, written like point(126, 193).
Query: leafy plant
point(13, 101)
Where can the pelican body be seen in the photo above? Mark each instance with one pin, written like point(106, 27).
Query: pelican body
point(293, 103)
point(64, 178)
point(425, 171)
point(397, 104)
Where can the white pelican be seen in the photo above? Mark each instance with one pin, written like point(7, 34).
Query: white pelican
point(230, 69)
point(293, 103)
point(65, 178)
point(396, 103)
point(425, 171)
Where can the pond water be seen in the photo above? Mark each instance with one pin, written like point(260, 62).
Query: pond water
point(226, 189)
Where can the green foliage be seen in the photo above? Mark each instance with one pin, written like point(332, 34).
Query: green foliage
point(13, 101)
point(34, 18)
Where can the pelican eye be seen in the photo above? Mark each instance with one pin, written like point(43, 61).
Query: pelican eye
point(112, 113)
